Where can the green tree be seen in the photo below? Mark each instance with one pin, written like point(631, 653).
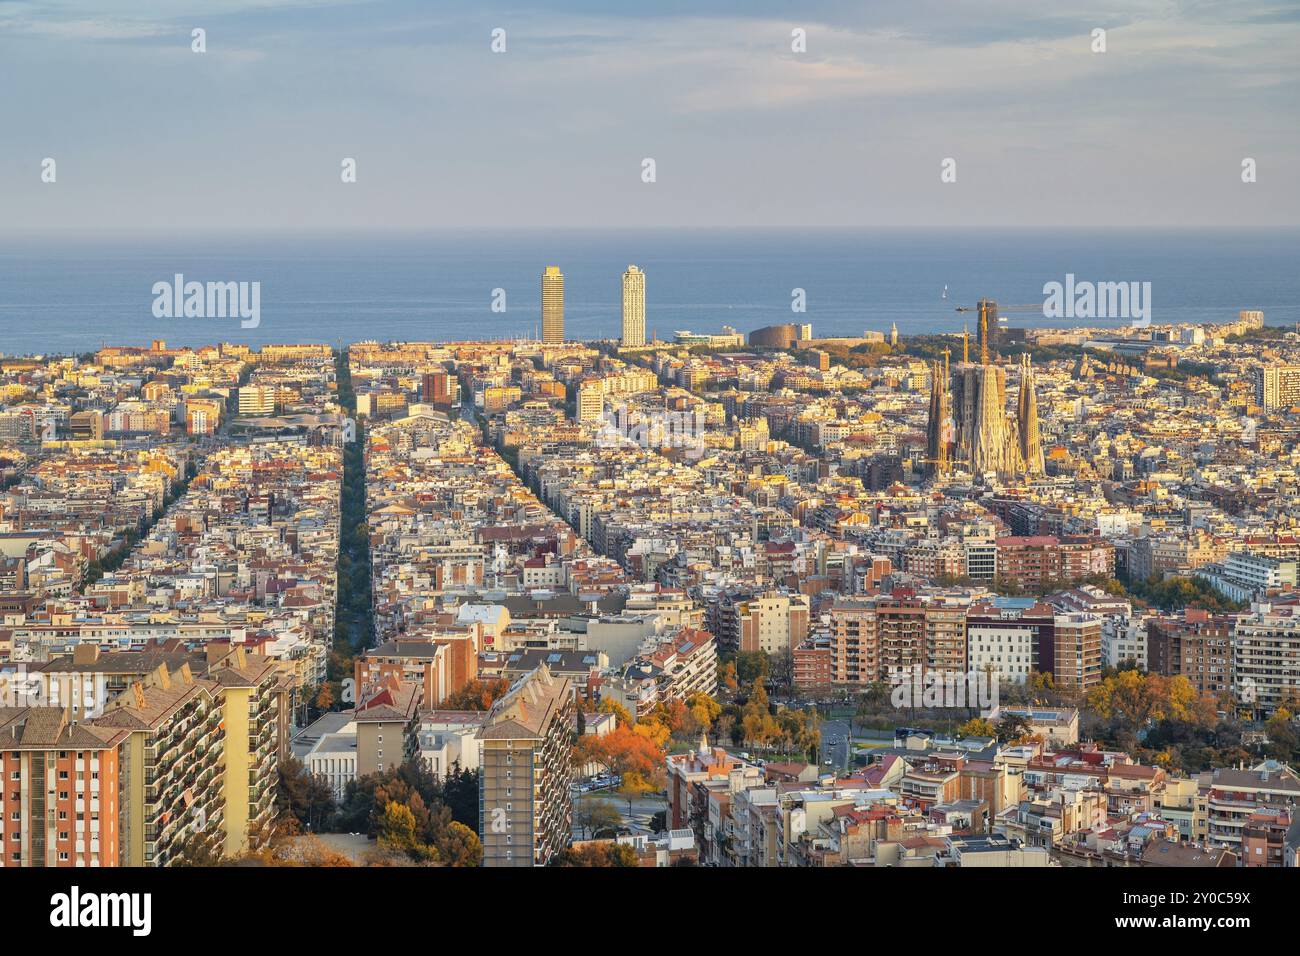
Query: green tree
point(1012, 727)
point(593, 816)
point(303, 796)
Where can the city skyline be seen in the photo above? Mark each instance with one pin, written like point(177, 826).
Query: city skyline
point(563, 434)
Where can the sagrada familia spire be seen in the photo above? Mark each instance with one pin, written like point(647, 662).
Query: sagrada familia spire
point(1031, 445)
point(939, 428)
point(968, 420)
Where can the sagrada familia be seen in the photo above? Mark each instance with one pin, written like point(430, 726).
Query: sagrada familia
point(969, 425)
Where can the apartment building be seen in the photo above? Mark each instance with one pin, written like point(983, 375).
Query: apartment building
point(772, 622)
point(387, 720)
point(59, 789)
point(87, 679)
point(440, 665)
point(1237, 795)
point(1196, 645)
point(171, 767)
point(525, 807)
point(1034, 560)
point(257, 400)
point(1277, 386)
point(855, 649)
point(1076, 651)
point(874, 638)
point(1007, 637)
point(1266, 657)
point(199, 762)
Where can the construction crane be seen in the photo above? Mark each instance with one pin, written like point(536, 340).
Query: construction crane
point(987, 307)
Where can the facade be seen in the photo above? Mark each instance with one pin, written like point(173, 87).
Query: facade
point(1237, 797)
point(590, 403)
point(552, 306)
point(387, 718)
point(773, 623)
point(1010, 638)
point(1076, 650)
point(525, 807)
point(1035, 560)
point(61, 786)
point(256, 400)
point(1196, 645)
point(633, 308)
point(200, 760)
point(1277, 386)
point(1266, 658)
point(333, 758)
point(985, 438)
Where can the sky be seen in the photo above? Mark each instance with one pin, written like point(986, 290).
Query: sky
point(149, 136)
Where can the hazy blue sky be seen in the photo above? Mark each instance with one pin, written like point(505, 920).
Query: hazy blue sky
point(250, 135)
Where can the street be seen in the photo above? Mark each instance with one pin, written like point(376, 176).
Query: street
point(837, 753)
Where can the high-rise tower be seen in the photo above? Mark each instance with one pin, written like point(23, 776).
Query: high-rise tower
point(633, 307)
point(552, 305)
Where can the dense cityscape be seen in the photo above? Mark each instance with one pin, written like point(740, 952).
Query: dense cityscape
point(1011, 597)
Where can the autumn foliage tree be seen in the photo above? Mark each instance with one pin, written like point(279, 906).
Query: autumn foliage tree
point(977, 727)
point(635, 756)
point(1135, 700)
point(478, 694)
point(788, 730)
point(596, 854)
point(622, 751)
